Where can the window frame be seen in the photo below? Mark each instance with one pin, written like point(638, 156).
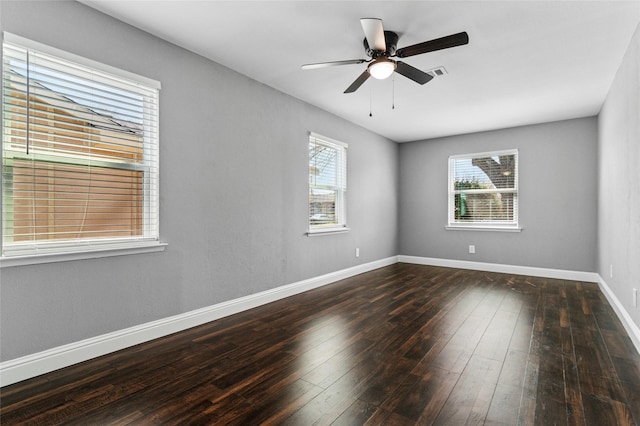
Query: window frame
point(340, 208)
point(15, 254)
point(492, 225)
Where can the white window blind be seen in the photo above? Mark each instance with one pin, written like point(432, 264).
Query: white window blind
point(483, 189)
point(327, 183)
point(79, 153)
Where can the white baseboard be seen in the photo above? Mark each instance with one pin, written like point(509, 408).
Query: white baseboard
point(33, 365)
point(632, 329)
point(505, 269)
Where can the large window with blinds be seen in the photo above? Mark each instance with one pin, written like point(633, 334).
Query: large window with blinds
point(483, 190)
point(327, 184)
point(79, 153)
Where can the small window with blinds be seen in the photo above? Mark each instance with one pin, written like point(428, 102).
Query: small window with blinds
point(79, 153)
point(327, 184)
point(483, 190)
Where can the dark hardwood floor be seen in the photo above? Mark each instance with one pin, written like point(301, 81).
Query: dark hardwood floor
point(404, 344)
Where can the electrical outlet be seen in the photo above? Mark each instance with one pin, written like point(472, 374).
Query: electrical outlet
point(357, 251)
point(472, 249)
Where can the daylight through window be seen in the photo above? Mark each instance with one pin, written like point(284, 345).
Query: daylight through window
point(483, 189)
point(327, 184)
point(79, 153)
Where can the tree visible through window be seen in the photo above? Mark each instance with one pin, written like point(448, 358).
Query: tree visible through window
point(327, 183)
point(483, 189)
point(79, 155)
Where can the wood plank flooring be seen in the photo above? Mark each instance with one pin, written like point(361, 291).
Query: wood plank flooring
point(401, 345)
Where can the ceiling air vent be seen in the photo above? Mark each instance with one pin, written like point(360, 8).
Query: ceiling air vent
point(437, 72)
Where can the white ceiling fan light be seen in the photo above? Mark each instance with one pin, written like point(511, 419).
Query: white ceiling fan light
point(381, 68)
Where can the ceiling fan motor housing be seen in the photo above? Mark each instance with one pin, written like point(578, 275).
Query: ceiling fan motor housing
point(390, 39)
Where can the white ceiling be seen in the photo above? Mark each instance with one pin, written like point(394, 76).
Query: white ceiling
point(526, 62)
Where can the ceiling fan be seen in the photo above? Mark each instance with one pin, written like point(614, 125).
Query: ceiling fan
point(380, 47)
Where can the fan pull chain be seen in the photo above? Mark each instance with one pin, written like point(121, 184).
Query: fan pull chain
point(370, 101)
point(393, 93)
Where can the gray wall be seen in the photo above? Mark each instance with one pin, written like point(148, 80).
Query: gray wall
point(619, 182)
point(557, 197)
point(234, 197)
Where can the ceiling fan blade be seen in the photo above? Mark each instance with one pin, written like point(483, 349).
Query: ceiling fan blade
point(412, 73)
point(374, 33)
point(332, 64)
point(359, 81)
point(452, 40)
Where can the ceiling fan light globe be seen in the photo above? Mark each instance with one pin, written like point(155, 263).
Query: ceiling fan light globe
point(381, 68)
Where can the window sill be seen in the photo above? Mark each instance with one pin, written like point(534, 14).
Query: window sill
point(89, 253)
point(483, 228)
point(327, 231)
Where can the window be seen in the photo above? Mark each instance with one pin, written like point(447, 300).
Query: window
point(79, 154)
point(327, 184)
point(483, 190)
